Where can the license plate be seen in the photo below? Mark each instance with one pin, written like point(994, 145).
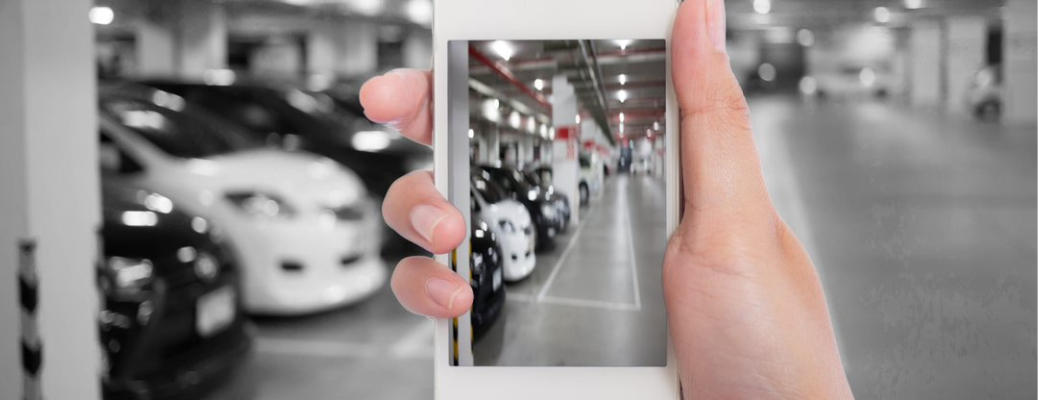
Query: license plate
point(215, 311)
point(497, 280)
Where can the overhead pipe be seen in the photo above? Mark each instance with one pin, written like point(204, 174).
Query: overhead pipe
point(509, 77)
point(595, 71)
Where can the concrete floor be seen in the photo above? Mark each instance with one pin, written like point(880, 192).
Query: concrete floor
point(923, 227)
point(597, 298)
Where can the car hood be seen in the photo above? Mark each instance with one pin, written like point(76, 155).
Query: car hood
point(508, 210)
point(298, 176)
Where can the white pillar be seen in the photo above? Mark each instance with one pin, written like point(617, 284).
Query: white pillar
point(49, 176)
point(565, 164)
point(1021, 67)
point(182, 38)
point(925, 64)
point(966, 44)
point(418, 49)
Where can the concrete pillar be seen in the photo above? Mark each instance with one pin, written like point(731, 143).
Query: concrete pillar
point(494, 145)
point(346, 47)
point(182, 38)
point(49, 176)
point(925, 64)
point(966, 38)
point(565, 149)
point(1020, 65)
point(418, 49)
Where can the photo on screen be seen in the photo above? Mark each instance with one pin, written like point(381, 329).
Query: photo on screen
point(557, 153)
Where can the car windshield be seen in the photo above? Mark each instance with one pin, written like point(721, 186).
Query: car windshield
point(177, 133)
point(491, 192)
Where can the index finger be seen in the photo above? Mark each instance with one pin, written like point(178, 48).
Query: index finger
point(401, 99)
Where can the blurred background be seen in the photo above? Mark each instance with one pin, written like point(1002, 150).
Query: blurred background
point(243, 255)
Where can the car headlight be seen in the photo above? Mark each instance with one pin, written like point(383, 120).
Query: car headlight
point(477, 264)
point(261, 205)
point(532, 194)
point(128, 274)
point(507, 226)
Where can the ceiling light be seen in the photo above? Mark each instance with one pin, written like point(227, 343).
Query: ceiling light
point(621, 129)
point(882, 15)
point(371, 141)
point(762, 6)
point(656, 125)
point(515, 120)
point(805, 37)
point(538, 84)
point(913, 4)
point(623, 79)
point(622, 117)
point(622, 96)
point(503, 49)
point(102, 15)
point(420, 11)
point(623, 44)
point(767, 72)
point(367, 7)
point(472, 133)
point(578, 119)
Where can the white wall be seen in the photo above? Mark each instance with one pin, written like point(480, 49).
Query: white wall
point(925, 60)
point(1021, 66)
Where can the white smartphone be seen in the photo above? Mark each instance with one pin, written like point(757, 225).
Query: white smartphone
point(556, 136)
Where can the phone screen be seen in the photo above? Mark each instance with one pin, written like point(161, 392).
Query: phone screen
point(557, 154)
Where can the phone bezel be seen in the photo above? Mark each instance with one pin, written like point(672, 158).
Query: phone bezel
point(550, 20)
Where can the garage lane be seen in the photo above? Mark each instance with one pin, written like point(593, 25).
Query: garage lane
point(596, 300)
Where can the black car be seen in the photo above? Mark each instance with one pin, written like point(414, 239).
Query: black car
point(539, 203)
point(170, 324)
point(487, 278)
point(542, 177)
point(295, 119)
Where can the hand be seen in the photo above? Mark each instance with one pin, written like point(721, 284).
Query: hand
point(747, 314)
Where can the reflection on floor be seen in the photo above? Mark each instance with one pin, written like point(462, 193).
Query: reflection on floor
point(922, 227)
point(597, 299)
point(923, 230)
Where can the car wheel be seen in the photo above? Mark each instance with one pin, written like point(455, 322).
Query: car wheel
point(585, 194)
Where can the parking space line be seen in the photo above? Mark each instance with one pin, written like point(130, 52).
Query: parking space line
point(634, 256)
point(605, 305)
point(414, 343)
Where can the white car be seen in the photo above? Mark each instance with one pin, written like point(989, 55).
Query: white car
point(591, 176)
point(512, 225)
point(303, 227)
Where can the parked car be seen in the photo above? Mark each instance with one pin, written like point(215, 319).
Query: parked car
point(851, 82)
point(295, 119)
point(591, 177)
point(984, 98)
point(510, 223)
point(487, 277)
point(306, 231)
point(542, 177)
point(170, 305)
point(538, 202)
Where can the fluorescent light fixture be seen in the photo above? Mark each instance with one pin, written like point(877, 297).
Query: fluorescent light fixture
point(139, 218)
point(622, 96)
point(515, 120)
point(102, 15)
point(158, 203)
point(538, 84)
point(578, 119)
point(472, 133)
point(656, 125)
point(621, 129)
point(371, 141)
point(623, 117)
point(882, 15)
point(913, 4)
point(623, 44)
point(503, 49)
point(420, 11)
point(531, 125)
point(762, 6)
point(623, 79)
point(367, 7)
point(219, 77)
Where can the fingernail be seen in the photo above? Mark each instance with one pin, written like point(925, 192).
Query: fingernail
point(424, 219)
point(716, 23)
point(442, 292)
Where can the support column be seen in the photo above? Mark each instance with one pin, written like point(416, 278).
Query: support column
point(966, 41)
point(49, 176)
point(925, 65)
point(345, 47)
point(418, 49)
point(182, 38)
point(1020, 65)
point(565, 150)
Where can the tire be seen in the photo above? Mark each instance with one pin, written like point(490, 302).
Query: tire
point(585, 194)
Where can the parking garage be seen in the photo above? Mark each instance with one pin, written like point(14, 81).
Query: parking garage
point(217, 149)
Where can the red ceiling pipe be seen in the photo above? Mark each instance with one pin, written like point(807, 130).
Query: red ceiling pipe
point(509, 76)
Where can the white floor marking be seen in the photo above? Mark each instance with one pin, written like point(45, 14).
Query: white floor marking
point(416, 343)
point(565, 255)
point(634, 257)
point(605, 305)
